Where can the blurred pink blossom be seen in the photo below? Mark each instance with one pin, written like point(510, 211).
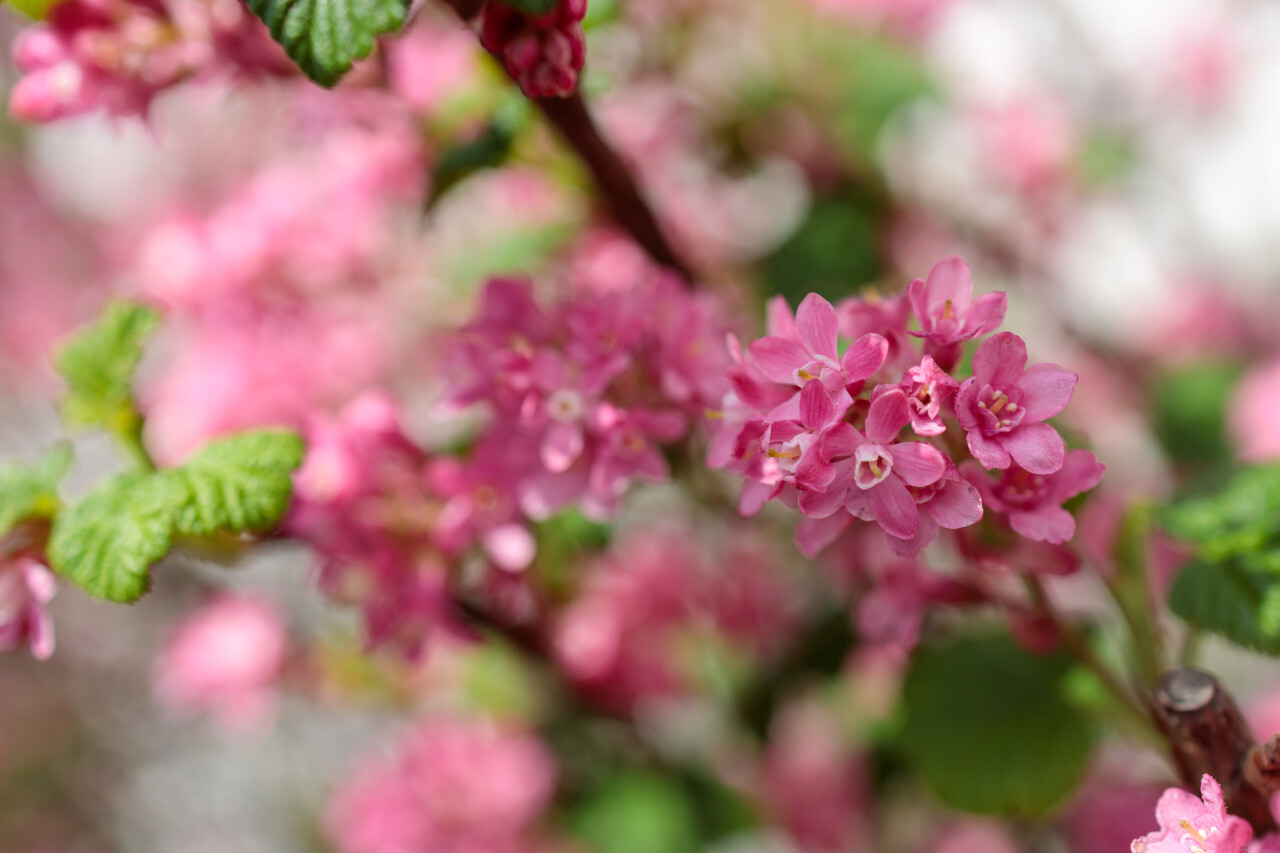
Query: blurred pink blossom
point(450, 786)
point(26, 588)
point(1253, 417)
point(225, 659)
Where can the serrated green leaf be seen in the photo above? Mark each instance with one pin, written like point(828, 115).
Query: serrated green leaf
point(98, 366)
point(30, 489)
point(1241, 518)
point(240, 483)
point(1232, 599)
point(989, 729)
point(324, 37)
point(532, 7)
point(107, 543)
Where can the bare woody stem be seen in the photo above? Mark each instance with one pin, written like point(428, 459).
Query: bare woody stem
point(1208, 734)
point(613, 178)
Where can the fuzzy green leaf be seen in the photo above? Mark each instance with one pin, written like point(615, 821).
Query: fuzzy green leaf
point(107, 543)
point(1242, 518)
point(241, 483)
point(30, 489)
point(1234, 598)
point(325, 36)
point(988, 726)
point(98, 366)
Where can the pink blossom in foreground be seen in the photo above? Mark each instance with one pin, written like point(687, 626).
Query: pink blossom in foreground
point(450, 786)
point(26, 588)
point(948, 313)
point(1003, 405)
point(117, 55)
point(1191, 824)
point(1033, 502)
point(544, 53)
point(225, 659)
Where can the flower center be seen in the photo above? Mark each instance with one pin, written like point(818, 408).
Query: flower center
point(1002, 414)
point(566, 406)
point(872, 463)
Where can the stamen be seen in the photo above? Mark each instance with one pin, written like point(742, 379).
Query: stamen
point(947, 312)
point(999, 403)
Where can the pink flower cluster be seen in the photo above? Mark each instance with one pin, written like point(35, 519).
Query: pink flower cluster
point(544, 53)
point(450, 787)
point(857, 434)
point(117, 55)
point(26, 588)
point(225, 658)
point(277, 296)
point(632, 633)
point(582, 395)
point(389, 522)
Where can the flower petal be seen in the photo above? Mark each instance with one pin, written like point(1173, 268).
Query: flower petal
point(889, 414)
point(986, 314)
point(1080, 472)
point(816, 408)
point(990, 453)
point(864, 357)
point(814, 534)
point(949, 280)
point(1046, 390)
point(778, 320)
point(779, 359)
point(755, 495)
point(1036, 447)
point(998, 362)
point(917, 463)
point(893, 508)
point(957, 504)
point(823, 504)
point(561, 446)
point(1044, 523)
point(817, 326)
point(840, 441)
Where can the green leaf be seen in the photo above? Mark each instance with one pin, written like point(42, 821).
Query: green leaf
point(325, 36)
point(638, 813)
point(98, 366)
point(532, 7)
point(241, 483)
point(1188, 409)
point(1233, 599)
point(1242, 518)
point(988, 726)
point(35, 9)
point(30, 489)
point(107, 543)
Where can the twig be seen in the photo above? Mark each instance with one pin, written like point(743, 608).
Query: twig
point(612, 176)
point(1208, 734)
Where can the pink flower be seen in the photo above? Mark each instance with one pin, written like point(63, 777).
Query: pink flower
point(1190, 825)
point(225, 658)
point(1033, 502)
point(26, 588)
point(869, 473)
point(544, 53)
point(117, 55)
point(807, 350)
point(947, 312)
point(928, 388)
point(451, 786)
point(1002, 407)
point(1253, 418)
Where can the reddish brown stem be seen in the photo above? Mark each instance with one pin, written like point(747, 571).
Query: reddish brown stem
point(1208, 734)
point(613, 178)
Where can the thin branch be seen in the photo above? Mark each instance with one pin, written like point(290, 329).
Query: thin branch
point(1208, 734)
point(613, 177)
